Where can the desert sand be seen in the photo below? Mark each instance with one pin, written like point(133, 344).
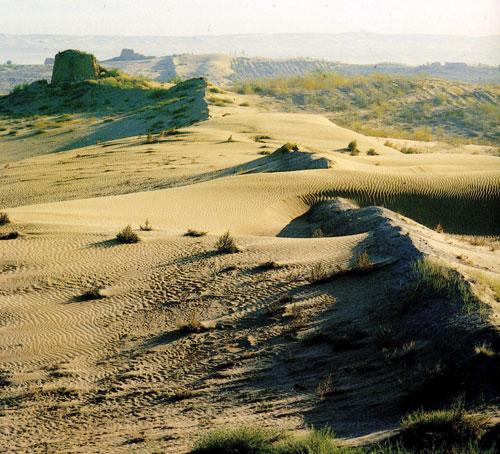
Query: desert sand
point(116, 373)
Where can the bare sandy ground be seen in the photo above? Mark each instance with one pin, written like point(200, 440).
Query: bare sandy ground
point(116, 374)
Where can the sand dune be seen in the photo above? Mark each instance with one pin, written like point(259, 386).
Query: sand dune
point(116, 373)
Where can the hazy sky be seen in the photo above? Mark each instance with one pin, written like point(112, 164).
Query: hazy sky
point(198, 17)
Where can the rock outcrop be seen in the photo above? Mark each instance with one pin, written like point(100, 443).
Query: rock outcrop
point(74, 66)
point(130, 55)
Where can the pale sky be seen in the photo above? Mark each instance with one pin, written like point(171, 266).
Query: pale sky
point(217, 17)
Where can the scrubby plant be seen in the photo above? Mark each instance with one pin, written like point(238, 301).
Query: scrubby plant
point(352, 147)
point(230, 139)
point(363, 262)
point(195, 233)
point(435, 280)
point(227, 244)
point(441, 430)
point(147, 227)
point(372, 152)
point(261, 138)
point(9, 235)
point(127, 236)
point(439, 228)
point(94, 292)
point(4, 218)
point(319, 273)
point(190, 323)
point(288, 148)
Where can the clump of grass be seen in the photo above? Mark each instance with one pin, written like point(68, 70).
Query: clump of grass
point(195, 233)
point(324, 387)
point(190, 323)
point(439, 228)
point(435, 280)
point(317, 233)
point(150, 138)
point(352, 147)
point(227, 244)
point(250, 440)
point(484, 349)
point(271, 265)
point(127, 236)
point(230, 139)
point(409, 150)
point(93, 293)
point(244, 440)
point(287, 148)
point(245, 104)
point(363, 262)
point(4, 218)
point(441, 430)
point(372, 152)
point(9, 235)
point(277, 306)
point(147, 227)
point(261, 138)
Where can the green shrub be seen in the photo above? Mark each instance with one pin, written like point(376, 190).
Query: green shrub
point(242, 440)
point(372, 152)
point(352, 146)
point(127, 236)
point(441, 430)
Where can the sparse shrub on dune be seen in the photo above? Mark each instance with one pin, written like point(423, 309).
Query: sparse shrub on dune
point(4, 218)
point(442, 430)
point(227, 244)
point(352, 147)
point(439, 228)
point(147, 227)
point(435, 280)
point(127, 236)
point(230, 139)
point(363, 262)
point(94, 292)
point(190, 323)
point(287, 148)
point(252, 440)
point(9, 235)
point(319, 273)
point(372, 152)
point(261, 138)
point(195, 233)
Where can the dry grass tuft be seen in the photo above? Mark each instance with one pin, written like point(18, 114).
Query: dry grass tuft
point(442, 430)
point(195, 233)
point(9, 235)
point(147, 227)
point(190, 323)
point(4, 218)
point(325, 388)
point(93, 293)
point(127, 236)
point(226, 244)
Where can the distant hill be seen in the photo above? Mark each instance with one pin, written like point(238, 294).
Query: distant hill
point(418, 108)
point(346, 47)
point(224, 69)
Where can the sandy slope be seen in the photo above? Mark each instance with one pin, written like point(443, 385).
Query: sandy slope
point(116, 374)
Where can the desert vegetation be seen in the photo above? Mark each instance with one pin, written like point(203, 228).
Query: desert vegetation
point(226, 244)
point(392, 106)
point(127, 236)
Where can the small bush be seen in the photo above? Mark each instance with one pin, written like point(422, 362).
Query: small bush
point(245, 104)
point(288, 148)
point(325, 387)
point(127, 236)
point(261, 138)
point(372, 152)
point(227, 244)
point(230, 139)
point(439, 228)
point(195, 233)
point(435, 280)
point(363, 261)
point(4, 218)
point(92, 293)
point(190, 323)
point(242, 440)
point(319, 273)
point(147, 227)
point(9, 235)
point(352, 147)
point(441, 430)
